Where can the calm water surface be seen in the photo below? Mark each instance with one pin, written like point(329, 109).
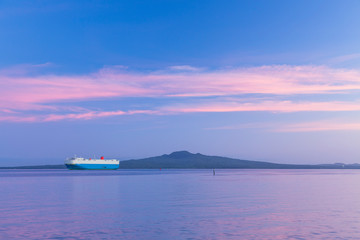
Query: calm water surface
point(180, 204)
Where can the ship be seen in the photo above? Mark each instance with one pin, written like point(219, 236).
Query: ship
point(79, 163)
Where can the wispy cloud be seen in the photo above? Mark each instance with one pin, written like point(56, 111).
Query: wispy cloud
point(344, 58)
point(189, 88)
point(22, 69)
point(314, 126)
point(268, 106)
point(92, 115)
point(185, 68)
point(319, 126)
point(87, 115)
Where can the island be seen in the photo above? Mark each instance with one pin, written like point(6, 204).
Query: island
point(187, 160)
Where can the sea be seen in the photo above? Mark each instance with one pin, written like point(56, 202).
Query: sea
point(180, 204)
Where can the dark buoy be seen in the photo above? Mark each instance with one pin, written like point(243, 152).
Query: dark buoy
point(213, 172)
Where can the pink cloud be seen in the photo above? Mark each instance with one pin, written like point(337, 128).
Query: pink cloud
point(319, 126)
point(344, 58)
point(73, 116)
point(185, 68)
point(18, 70)
point(92, 115)
point(269, 106)
point(19, 119)
point(315, 126)
point(19, 92)
point(87, 115)
point(109, 83)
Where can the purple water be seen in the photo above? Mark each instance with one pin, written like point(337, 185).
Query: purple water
point(180, 204)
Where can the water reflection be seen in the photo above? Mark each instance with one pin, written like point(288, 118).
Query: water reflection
point(179, 204)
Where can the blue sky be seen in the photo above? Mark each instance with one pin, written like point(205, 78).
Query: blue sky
point(261, 80)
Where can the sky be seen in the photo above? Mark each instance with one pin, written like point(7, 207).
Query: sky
point(274, 81)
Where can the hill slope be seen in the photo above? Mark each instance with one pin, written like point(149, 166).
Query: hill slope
point(184, 159)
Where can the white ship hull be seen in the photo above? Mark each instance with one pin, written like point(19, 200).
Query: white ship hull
point(91, 164)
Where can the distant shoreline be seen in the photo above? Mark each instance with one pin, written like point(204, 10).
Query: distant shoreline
point(187, 160)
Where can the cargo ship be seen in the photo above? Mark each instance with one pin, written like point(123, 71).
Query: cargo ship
point(77, 163)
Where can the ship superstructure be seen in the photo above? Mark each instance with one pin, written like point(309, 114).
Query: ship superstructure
point(79, 163)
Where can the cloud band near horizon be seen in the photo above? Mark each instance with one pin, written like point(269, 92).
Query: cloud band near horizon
point(183, 89)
